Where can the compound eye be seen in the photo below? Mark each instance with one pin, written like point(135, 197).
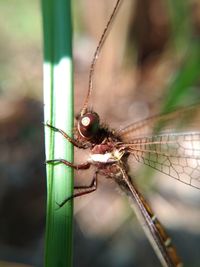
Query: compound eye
point(88, 125)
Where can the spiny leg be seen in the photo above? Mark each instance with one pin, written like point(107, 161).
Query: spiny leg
point(71, 140)
point(84, 190)
point(82, 166)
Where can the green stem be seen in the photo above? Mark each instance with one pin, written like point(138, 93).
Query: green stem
point(58, 104)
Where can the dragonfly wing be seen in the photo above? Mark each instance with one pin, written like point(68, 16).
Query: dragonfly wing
point(184, 119)
point(177, 155)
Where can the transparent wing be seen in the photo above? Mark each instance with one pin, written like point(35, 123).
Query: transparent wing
point(181, 120)
point(177, 155)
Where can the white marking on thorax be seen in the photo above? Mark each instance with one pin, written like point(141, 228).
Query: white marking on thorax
point(110, 157)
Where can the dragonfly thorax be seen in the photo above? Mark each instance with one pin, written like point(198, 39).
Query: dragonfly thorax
point(109, 157)
point(105, 153)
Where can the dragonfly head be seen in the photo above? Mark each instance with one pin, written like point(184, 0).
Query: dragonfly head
point(88, 125)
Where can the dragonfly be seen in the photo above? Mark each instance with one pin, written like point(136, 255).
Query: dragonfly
point(150, 141)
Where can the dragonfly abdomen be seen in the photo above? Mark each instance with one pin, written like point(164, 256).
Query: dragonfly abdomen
point(156, 233)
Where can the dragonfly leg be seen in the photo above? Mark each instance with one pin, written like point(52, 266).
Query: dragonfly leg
point(83, 190)
point(71, 140)
point(82, 166)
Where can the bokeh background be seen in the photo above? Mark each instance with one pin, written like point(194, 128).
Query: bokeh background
point(150, 62)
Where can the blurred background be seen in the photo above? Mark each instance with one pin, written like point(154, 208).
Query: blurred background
point(150, 63)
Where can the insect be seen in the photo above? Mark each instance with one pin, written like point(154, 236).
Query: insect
point(149, 141)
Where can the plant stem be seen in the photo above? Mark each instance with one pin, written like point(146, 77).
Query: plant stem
point(58, 104)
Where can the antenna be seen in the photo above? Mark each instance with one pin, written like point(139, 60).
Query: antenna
point(96, 55)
